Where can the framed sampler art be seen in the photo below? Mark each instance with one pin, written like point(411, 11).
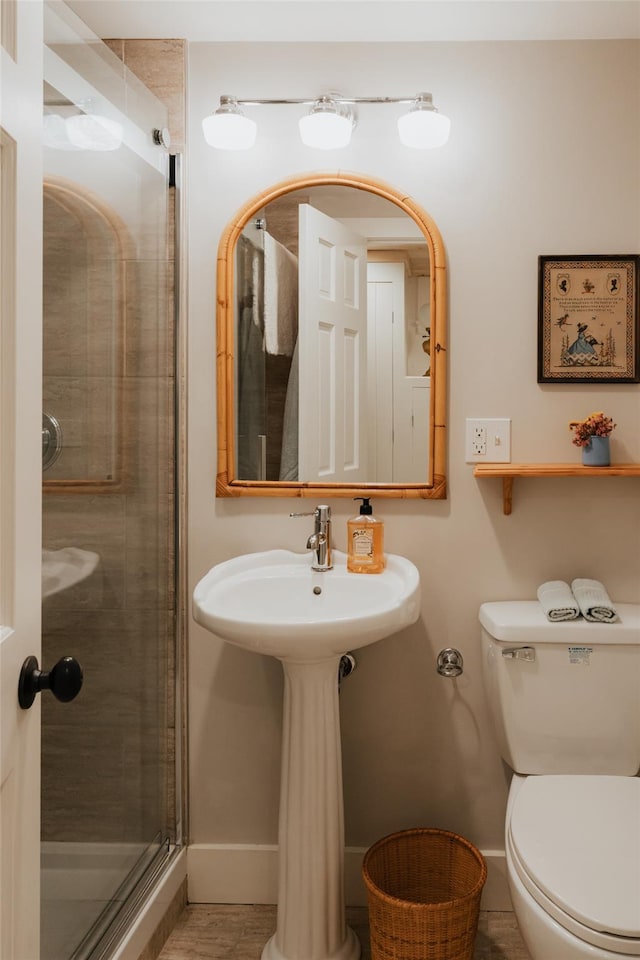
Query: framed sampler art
point(588, 319)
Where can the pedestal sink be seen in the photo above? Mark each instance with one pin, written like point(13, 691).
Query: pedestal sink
point(274, 603)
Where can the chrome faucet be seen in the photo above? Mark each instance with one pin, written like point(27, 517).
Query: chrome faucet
point(320, 539)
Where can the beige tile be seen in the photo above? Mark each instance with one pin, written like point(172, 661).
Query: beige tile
point(147, 564)
point(87, 409)
point(160, 64)
point(148, 445)
point(149, 319)
point(82, 280)
point(117, 47)
point(96, 524)
point(208, 930)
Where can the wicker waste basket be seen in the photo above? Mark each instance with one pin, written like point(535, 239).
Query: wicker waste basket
point(423, 891)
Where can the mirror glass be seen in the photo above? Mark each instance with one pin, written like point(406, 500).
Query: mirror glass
point(328, 323)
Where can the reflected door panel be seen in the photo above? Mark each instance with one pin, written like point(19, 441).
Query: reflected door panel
point(332, 350)
point(380, 378)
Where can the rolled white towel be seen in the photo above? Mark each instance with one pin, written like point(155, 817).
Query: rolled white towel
point(557, 600)
point(593, 601)
point(280, 298)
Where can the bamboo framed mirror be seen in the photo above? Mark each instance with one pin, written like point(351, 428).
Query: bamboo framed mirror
point(331, 344)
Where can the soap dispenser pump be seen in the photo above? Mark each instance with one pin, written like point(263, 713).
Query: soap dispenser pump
point(365, 548)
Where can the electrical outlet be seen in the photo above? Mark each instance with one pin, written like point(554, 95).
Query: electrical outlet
point(488, 441)
point(479, 440)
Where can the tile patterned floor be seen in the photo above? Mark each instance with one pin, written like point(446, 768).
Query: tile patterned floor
point(223, 932)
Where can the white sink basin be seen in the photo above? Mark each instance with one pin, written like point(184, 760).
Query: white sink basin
point(64, 568)
point(274, 603)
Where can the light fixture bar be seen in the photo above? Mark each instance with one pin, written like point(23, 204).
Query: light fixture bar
point(311, 100)
point(328, 124)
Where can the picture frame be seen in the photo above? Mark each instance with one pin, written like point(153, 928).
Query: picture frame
point(588, 319)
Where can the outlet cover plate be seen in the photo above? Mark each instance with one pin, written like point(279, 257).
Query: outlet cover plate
point(488, 441)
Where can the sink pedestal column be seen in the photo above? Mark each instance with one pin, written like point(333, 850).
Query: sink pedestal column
point(311, 915)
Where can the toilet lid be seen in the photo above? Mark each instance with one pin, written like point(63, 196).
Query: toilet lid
point(578, 837)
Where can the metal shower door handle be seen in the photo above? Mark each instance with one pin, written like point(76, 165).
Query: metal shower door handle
point(51, 440)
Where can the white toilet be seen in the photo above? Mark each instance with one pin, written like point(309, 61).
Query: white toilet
point(565, 699)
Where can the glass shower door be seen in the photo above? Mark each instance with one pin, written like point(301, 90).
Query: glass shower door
point(108, 490)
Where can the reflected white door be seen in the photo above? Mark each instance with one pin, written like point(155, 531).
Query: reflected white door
point(332, 436)
point(20, 470)
point(384, 299)
point(399, 403)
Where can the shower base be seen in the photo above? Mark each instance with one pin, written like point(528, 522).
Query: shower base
point(83, 886)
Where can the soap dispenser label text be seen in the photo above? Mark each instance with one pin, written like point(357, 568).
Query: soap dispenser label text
point(363, 543)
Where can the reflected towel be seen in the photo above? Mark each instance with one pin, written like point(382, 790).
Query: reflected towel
point(557, 600)
point(280, 298)
point(594, 601)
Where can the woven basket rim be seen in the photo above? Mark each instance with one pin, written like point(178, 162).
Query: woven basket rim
point(415, 905)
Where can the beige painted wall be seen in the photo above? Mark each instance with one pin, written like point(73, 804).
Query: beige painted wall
point(544, 158)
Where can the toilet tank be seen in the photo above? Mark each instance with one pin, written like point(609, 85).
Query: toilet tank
point(570, 703)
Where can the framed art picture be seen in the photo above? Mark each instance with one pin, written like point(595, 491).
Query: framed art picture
point(588, 319)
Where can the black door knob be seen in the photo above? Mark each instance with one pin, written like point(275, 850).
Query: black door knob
point(64, 680)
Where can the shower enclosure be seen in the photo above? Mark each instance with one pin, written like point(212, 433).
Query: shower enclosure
point(110, 818)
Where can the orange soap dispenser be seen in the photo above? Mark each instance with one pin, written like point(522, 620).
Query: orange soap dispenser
point(365, 548)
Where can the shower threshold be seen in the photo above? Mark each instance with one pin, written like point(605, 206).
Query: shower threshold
point(85, 887)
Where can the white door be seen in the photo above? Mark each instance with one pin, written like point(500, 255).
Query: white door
point(383, 299)
point(332, 330)
point(399, 403)
point(20, 469)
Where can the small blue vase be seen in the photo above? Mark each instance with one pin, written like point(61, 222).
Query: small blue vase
point(596, 453)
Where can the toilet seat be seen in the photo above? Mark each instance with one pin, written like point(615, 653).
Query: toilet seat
point(575, 844)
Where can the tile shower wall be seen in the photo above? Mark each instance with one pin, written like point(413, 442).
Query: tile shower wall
point(98, 756)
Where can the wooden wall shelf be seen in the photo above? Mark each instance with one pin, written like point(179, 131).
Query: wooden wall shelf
point(507, 472)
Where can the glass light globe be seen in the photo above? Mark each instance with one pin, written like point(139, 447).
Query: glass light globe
point(90, 131)
point(55, 133)
point(326, 130)
point(423, 127)
point(229, 131)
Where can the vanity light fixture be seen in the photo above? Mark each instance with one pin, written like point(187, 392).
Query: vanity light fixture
point(55, 133)
point(228, 128)
point(92, 131)
point(80, 131)
point(329, 123)
point(422, 126)
point(327, 126)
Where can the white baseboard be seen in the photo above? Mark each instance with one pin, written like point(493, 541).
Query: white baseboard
point(246, 873)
